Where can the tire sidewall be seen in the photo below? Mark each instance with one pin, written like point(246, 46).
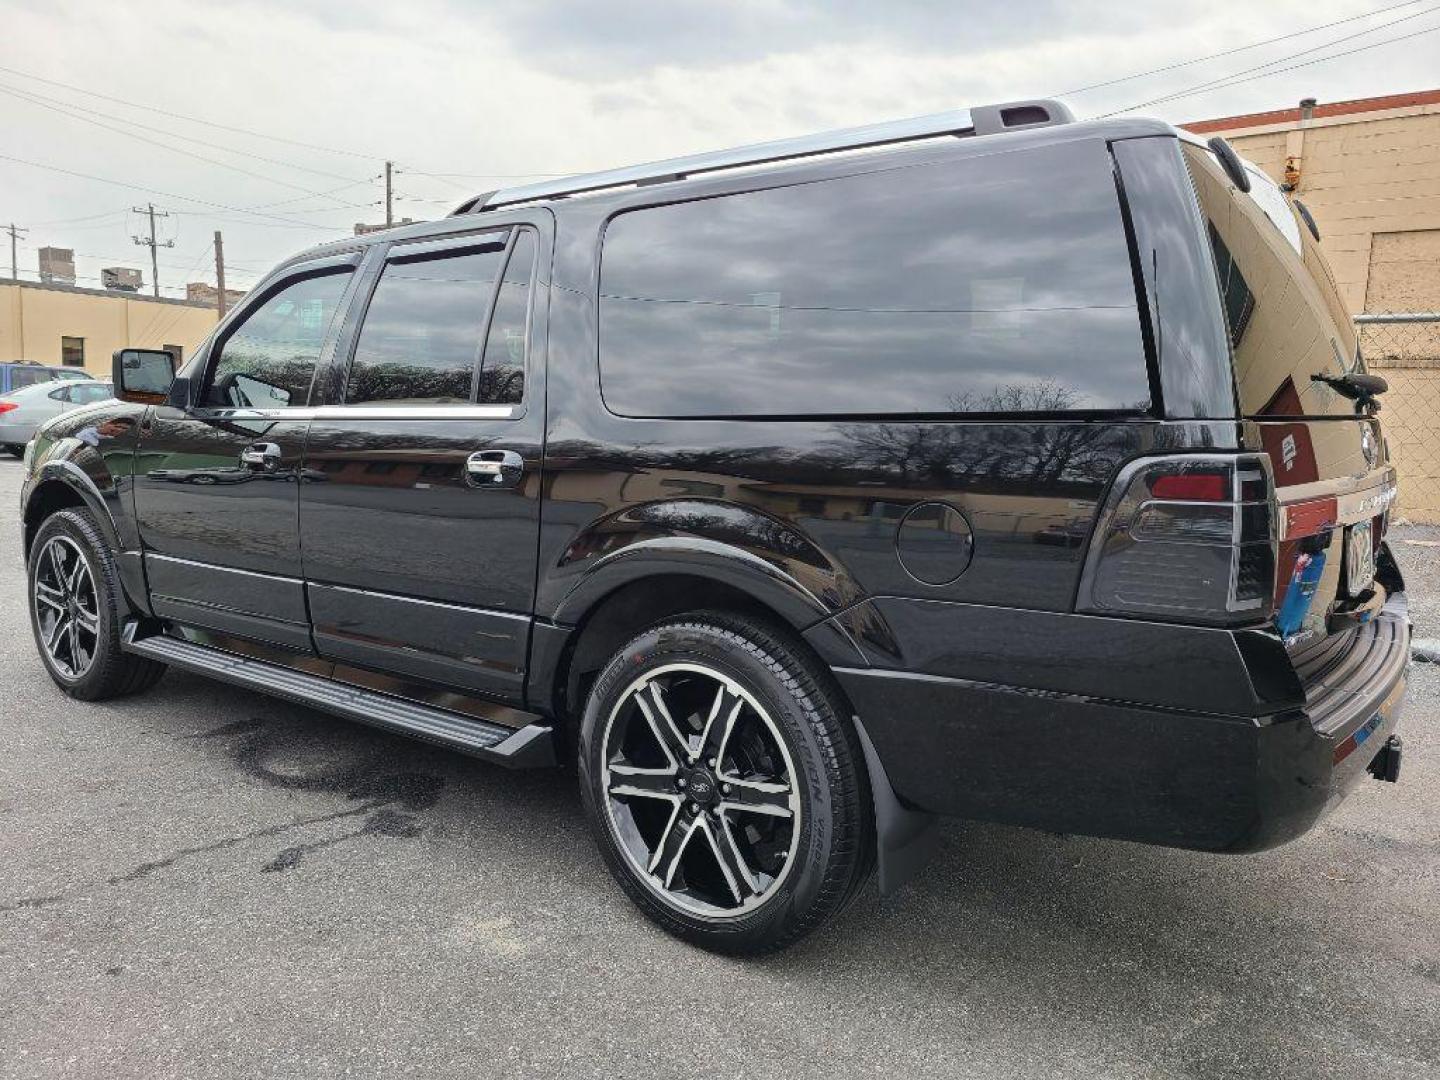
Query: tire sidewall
point(715, 647)
point(74, 526)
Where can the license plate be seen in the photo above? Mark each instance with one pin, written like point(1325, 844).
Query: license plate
point(1359, 558)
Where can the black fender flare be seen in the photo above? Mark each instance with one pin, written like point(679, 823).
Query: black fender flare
point(64, 471)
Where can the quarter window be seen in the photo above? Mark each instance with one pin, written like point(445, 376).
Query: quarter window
point(502, 375)
point(269, 360)
point(998, 283)
point(422, 336)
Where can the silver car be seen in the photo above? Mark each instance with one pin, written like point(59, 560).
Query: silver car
point(24, 410)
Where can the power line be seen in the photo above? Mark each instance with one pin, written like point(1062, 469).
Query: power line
point(79, 115)
point(1214, 56)
point(41, 99)
point(1244, 76)
point(190, 119)
point(289, 222)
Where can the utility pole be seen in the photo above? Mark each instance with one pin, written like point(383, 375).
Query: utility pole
point(389, 195)
point(14, 231)
point(149, 208)
point(220, 273)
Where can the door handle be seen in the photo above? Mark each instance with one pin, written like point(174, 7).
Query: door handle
point(494, 468)
point(261, 455)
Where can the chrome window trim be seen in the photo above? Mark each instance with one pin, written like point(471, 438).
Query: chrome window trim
point(368, 412)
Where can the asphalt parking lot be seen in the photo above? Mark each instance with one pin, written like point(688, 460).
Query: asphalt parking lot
point(203, 883)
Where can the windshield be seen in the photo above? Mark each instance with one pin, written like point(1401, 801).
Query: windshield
point(1286, 320)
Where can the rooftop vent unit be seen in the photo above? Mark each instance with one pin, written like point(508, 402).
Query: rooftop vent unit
point(57, 266)
point(981, 120)
point(121, 279)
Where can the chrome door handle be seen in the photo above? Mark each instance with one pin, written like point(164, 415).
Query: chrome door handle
point(494, 468)
point(263, 455)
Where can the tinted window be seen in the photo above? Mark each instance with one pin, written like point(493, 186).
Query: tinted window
point(502, 375)
point(29, 376)
point(84, 395)
point(268, 361)
point(1284, 313)
point(992, 284)
point(420, 342)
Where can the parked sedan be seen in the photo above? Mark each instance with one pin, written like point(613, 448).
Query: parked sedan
point(24, 410)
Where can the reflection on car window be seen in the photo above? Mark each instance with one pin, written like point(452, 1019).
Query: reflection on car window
point(420, 343)
point(502, 374)
point(1287, 321)
point(942, 287)
point(268, 361)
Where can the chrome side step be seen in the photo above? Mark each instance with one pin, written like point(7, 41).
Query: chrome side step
point(527, 747)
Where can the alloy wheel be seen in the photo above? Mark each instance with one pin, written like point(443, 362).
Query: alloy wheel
point(67, 609)
point(700, 790)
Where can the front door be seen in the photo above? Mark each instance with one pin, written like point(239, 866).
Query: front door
point(216, 473)
point(419, 510)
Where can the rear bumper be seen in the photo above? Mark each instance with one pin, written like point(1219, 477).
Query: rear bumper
point(1108, 766)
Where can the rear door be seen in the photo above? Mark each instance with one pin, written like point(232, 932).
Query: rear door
point(1290, 332)
point(420, 507)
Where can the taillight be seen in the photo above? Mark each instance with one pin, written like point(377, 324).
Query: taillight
point(6, 406)
point(1190, 538)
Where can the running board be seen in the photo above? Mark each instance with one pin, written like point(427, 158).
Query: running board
point(517, 748)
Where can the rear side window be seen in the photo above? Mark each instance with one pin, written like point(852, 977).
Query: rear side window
point(995, 284)
point(421, 340)
point(20, 376)
point(502, 374)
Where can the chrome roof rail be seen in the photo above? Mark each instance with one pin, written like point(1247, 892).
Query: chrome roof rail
point(982, 120)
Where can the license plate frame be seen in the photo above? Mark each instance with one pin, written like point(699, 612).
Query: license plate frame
point(1359, 558)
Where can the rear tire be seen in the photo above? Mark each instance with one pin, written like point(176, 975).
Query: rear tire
point(15, 450)
point(75, 611)
point(725, 784)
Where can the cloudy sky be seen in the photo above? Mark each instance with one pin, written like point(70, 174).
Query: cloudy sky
point(467, 95)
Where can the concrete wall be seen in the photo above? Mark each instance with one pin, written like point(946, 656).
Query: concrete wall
point(1372, 181)
point(33, 319)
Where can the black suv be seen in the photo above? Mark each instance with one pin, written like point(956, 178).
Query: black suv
point(990, 464)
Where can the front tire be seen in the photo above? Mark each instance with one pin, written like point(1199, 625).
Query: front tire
point(75, 611)
point(725, 784)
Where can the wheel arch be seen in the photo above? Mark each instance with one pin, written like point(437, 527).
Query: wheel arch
point(59, 486)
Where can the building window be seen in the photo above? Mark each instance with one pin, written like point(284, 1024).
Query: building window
point(177, 351)
point(72, 351)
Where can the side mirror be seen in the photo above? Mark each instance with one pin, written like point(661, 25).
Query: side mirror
point(142, 375)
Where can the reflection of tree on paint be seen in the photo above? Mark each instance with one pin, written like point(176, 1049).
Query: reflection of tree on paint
point(1037, 455)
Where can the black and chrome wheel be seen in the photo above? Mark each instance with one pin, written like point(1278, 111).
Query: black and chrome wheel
point(724, 784)
point(75, 605)
point(67, 610)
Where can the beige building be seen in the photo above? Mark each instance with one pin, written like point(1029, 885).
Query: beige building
point(1369, 173)
point(66, 325)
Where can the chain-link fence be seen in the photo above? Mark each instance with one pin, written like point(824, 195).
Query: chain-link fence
point(1404, 347)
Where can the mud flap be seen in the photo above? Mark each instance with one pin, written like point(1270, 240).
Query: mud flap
point(905, 839)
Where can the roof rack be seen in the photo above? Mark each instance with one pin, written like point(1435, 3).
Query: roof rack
point(982, 120)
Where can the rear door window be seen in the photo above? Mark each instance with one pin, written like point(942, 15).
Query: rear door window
point(992, 284)
point(423, 331)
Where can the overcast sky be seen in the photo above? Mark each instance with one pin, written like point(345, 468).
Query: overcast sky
point(447, 87)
